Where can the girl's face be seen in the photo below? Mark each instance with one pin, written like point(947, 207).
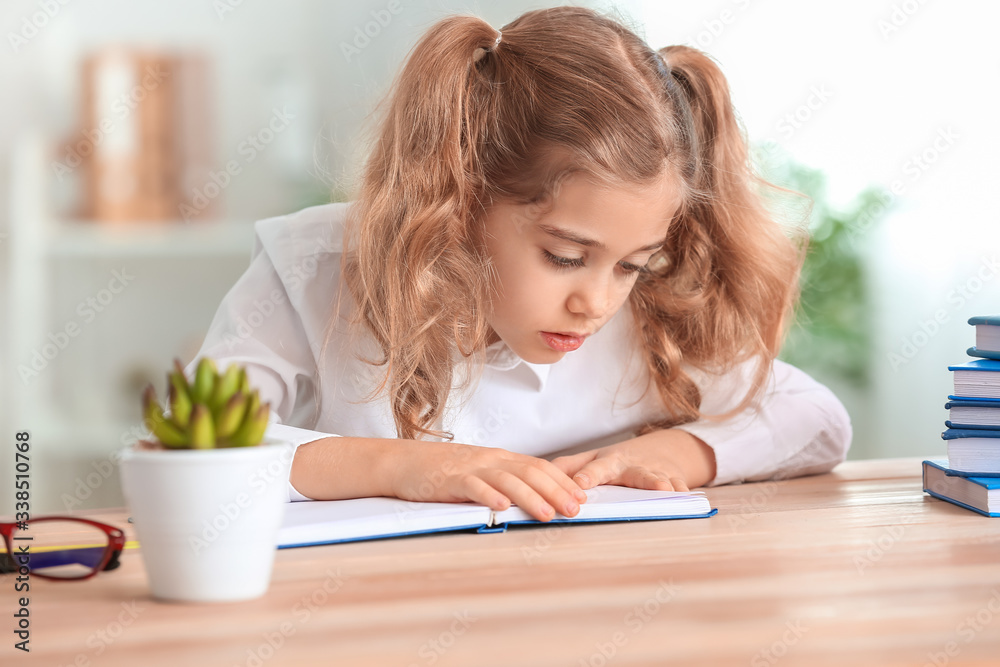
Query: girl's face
point(569, 268)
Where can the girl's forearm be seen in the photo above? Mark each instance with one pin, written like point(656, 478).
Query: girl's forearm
point(344, 467)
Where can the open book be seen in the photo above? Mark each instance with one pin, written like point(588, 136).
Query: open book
point(307, 523)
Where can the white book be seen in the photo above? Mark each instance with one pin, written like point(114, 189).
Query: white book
point(313, 522)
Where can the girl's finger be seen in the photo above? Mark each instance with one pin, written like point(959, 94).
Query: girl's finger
point(556, 488)
point(570, 464)
point(602, 470)
point(478, 491)
point(595, 473)
point(521, 493)
point(642, 478)
point(679, 484)
point(562, 478)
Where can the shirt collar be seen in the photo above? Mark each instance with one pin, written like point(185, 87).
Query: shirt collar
point(500, 357)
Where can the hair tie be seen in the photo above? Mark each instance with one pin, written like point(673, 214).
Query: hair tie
point(480, 52)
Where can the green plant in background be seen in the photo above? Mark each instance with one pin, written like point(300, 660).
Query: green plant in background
point(214, 411)
point(832, 332)
point(316, 193)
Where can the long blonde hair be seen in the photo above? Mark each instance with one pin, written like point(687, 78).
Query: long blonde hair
point(565, 90)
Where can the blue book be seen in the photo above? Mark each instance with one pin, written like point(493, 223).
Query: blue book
point(973, 413)
point(979, 378)
point(975, 451)
point(979, 494)
point(952, 472)
point(959, 433)
point(312, 522)
point(966, 426)
point(984, 401)
point(987, 336)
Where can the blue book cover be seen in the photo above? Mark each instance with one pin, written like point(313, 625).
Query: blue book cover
point(985, 402)
point(989, 365)
point(986, 354)
point(962, 402)
point(955, 426)
point(979, 494)
point(955, 433)
point(985, 319)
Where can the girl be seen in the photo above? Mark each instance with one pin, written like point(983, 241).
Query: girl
point(560, 264)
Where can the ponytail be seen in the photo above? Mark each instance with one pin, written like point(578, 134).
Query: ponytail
point(732, 279)
point(413, 269)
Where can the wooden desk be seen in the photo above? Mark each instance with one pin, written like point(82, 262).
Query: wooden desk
point(854, 567)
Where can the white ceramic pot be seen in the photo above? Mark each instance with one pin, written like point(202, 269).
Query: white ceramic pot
point(207, 520)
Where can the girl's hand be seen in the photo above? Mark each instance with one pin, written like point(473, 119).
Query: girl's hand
point(454, 473)
point(666, 460)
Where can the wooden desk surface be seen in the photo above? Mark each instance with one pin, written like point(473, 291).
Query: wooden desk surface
point(854, 567)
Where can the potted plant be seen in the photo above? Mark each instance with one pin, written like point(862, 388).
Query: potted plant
point(207, 492)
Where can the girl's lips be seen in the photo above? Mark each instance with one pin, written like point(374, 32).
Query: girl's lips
point(562, 342)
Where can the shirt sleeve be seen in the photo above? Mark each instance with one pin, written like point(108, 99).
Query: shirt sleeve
point(799, 426)
point(257, 327)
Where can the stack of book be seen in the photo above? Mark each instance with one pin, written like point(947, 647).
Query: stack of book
point(970, 476)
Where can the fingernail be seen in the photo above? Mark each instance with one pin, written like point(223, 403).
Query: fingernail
point(547, 510)
point(571, 508)
point(581, 496)
point(583, 480)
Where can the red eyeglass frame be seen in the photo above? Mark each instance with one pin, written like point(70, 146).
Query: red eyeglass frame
point(109, 560)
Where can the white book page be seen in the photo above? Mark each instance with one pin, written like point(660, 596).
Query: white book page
point(609, 501)
point(315, 521)
point(325, 521)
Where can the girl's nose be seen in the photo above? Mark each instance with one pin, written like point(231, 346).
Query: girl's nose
point(592, 299)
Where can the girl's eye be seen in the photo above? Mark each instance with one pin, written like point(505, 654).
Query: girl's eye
point(566, 263)
point(561, 262)
point(632, 268)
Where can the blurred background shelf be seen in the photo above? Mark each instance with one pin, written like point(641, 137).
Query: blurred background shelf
point(76, 389)
point(96, 239)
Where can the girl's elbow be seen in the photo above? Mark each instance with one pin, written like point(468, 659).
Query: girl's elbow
point(840, 424)
point(835, 430)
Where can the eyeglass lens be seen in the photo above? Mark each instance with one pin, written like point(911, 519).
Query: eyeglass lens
point(62, 549)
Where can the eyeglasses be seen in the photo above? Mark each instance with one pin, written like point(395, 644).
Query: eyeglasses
point(60, 547)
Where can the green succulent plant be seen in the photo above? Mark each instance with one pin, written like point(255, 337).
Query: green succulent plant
point(214, 411)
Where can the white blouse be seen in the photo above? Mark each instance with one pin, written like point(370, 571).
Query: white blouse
point(274, 318)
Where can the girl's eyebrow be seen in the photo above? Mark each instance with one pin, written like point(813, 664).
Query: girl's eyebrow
point(567, 235)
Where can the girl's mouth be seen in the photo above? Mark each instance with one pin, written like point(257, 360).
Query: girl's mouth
point(562, 342)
